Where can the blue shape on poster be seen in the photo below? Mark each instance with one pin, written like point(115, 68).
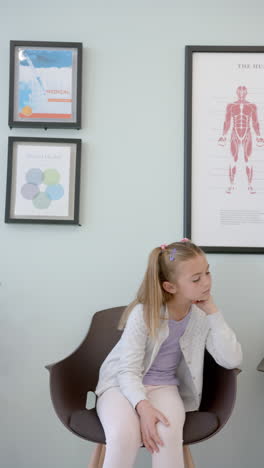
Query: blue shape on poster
point(55, 192)
point(34, 176)
point(46, 58)
point(25, 94)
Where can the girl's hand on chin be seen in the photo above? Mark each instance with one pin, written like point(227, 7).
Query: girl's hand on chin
point(206, 305)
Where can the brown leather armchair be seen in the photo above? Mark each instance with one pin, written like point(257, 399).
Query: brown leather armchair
point(77, 374)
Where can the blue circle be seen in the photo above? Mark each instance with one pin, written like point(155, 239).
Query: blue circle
point(55, 191)
point(34, 176)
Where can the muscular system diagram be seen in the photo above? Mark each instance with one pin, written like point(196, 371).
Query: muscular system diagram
point(241, 116)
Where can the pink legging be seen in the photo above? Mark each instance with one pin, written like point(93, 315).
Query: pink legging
point(122, 427)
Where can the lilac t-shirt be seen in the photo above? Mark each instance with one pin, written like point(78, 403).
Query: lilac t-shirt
point(162, 371)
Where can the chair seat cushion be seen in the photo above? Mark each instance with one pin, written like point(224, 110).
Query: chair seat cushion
point(198, 425)
point(86, 424)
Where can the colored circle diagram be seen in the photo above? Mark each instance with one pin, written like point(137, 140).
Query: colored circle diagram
point(36, 180)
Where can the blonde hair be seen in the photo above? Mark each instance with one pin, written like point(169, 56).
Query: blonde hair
point(162, 266)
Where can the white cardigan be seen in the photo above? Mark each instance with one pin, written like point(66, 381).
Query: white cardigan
point(135, 352)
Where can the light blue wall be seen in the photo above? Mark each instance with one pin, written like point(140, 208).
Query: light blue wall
point(54, 277)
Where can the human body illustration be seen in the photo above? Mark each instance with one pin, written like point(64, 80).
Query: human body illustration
point(153, 375)
point(242, 115)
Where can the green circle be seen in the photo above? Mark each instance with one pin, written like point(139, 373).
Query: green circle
point(41, 201)
point(51, 176)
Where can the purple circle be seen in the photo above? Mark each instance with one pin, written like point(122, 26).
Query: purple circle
point(29, 191)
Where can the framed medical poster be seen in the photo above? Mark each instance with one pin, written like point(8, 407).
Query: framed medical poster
point(224, 148)
point(43, 180)
point(45, 84)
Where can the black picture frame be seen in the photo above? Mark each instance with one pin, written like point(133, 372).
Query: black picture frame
point(45, 84)
point(219, 80)
point(43, 180)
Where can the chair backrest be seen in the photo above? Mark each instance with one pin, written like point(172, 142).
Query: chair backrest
point(210, 380)
point(100, 339)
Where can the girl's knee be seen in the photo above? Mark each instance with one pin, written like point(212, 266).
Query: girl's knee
point(171, 434)
point(125, 437)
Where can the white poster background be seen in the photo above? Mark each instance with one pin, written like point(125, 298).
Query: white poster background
point(219, 218)
point(42, 157)
point(57, 84)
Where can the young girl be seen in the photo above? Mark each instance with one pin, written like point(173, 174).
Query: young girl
point(153, 375)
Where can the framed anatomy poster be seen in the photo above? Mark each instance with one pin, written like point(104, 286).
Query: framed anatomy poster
point(45, 84)
point(224, 148)
point(43, 180)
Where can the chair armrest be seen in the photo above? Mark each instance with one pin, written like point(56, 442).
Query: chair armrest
point(73, 377)
point(222, 398)
point(261, 366)
point(50, 366)
point(66, 389)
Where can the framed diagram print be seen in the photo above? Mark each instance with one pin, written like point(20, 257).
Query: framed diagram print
point(224, 148)
point(45, 84)
point(43, 180)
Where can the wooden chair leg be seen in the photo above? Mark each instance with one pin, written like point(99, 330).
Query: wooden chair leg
point(102, 457)
point(97, 458)
point(188, 460)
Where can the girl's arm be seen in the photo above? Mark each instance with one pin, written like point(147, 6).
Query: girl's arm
point(131, 364)
point(221, 341)
point(131, 368)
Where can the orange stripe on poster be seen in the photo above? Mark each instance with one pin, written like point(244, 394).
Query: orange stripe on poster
point(59, 100)
point(46, 116)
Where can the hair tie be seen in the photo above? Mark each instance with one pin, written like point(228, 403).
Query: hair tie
point(163, 246)
point(185, 240)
